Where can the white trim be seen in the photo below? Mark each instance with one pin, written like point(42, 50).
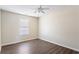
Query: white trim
point(59, 44)
point(16, 42)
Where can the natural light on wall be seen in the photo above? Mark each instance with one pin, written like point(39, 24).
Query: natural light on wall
point(24, 27)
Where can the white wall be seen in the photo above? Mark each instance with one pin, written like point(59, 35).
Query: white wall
point(10, 28)
point(61, 26)
point(0, 30)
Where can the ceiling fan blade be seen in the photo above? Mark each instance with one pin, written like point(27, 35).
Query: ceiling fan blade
point(45, 8)
point(43, 12)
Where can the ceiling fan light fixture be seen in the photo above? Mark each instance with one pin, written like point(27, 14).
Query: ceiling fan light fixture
point(41, 10)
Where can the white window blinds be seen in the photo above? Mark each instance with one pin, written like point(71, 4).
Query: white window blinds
point(24, 27)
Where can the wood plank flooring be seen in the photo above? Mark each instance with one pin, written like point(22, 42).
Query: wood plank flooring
point(36, 46)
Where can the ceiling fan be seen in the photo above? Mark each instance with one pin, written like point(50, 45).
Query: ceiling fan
point(40, 9)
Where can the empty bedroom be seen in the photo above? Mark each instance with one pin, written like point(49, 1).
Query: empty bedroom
point(39, 29)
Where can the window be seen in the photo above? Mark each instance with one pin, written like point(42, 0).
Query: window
point(24, 27)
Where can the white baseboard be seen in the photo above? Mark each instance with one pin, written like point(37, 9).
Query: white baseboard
point(16, 42)
point(59, 44)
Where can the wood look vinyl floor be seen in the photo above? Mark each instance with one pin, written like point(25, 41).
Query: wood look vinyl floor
point(36, 46)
